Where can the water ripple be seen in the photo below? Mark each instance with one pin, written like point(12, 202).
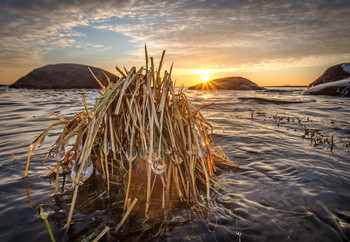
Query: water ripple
point(287, 188)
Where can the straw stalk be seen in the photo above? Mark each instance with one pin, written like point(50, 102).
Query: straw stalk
point(145, 141)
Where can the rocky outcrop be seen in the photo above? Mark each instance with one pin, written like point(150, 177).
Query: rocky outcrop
point(336, 88)
point(227, 83)
point(64, 76)
point(334, 73)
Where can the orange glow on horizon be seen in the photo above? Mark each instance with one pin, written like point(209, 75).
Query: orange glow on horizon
point(297, 76)
point(190, 77)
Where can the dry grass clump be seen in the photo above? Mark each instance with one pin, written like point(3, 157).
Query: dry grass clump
point(140, 132)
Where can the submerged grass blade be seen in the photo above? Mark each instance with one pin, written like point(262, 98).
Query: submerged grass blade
point(126, 215)
point(44, 216)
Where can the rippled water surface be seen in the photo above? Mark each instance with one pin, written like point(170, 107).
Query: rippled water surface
point(292, 184)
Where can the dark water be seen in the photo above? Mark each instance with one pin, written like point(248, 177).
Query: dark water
point(293, 183)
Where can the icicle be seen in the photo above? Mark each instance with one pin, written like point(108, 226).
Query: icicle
point(32, 145)
point(158, 166)
point(53, 153)
point(86, 172)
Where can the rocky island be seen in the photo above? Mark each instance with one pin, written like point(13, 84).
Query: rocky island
point(227, 83)
point(64, 76)
point(335, 81)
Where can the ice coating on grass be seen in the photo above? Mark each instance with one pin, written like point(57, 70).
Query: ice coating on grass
point(158, 165)
point(32, 145)
point(86, 172)
point(342, 85)
point(346, 67)
point(53, 153)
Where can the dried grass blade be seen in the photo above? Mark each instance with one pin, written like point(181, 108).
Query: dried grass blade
point(159, 68)
point(36, 143)
point(126, 215)
point(97, 80)
point(146, 56)
point(128, 80)
point(71, 210)
point(120, 71)
point(100, 235)
point(58, 116)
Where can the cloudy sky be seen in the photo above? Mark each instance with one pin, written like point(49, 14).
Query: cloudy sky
point(271, 42)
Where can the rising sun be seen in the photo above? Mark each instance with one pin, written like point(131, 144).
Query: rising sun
point(205, 77)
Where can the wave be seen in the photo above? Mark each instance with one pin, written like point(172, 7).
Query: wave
point(268, 101)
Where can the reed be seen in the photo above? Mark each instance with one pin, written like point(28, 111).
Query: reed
point(44, 214)
point(141, 132)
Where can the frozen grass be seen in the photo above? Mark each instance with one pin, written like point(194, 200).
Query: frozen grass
point(140, 132)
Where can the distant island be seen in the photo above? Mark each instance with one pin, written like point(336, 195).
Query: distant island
point(64, 76)
point(335, 81)
point(291, 86)
point(227, 83)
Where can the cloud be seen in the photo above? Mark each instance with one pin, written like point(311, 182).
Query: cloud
point(32, 28)
point(197, 34)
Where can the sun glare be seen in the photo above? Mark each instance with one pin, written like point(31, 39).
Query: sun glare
point(204, 73)
point(205, 77)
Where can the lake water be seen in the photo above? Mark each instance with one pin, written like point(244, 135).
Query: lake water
point(292, 184)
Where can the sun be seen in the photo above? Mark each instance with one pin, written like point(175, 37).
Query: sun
point(205, 77)
point(204, 74)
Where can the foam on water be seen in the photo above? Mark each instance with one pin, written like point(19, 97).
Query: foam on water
point(293, 182)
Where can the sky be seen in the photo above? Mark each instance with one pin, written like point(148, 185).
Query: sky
point(271, 42)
